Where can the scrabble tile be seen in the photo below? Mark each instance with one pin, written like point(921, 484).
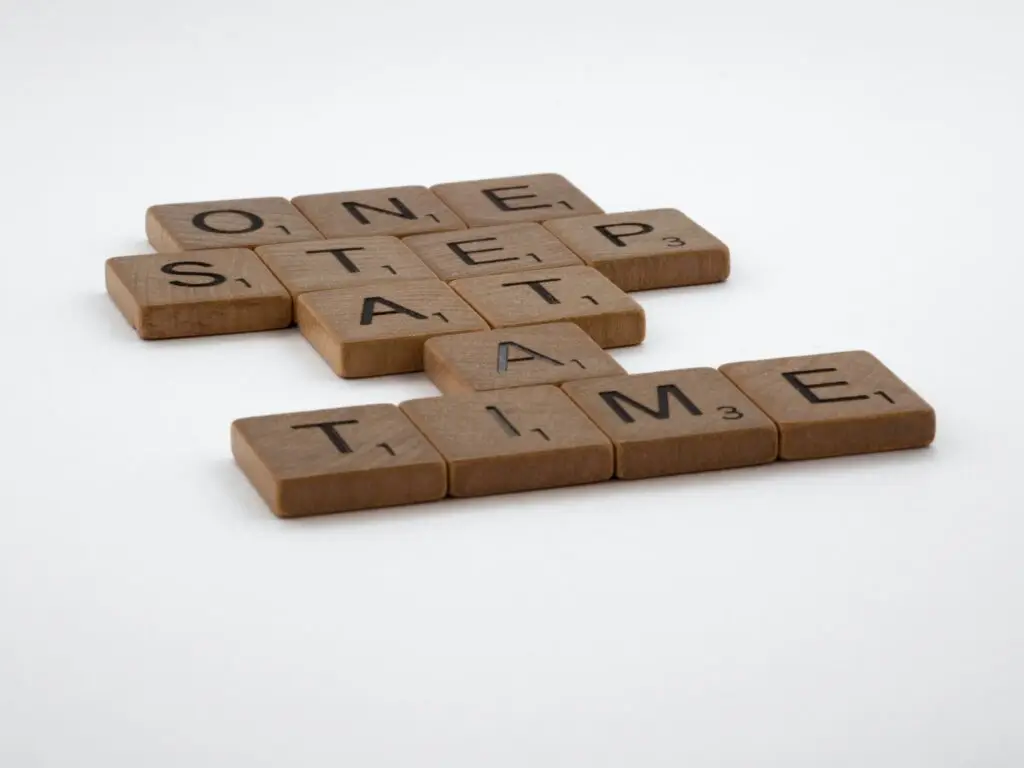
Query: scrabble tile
point(394, 211)
point(338, 460)
point(512, 440)
point(379, 328)
point(673, 422)
point(226, 224)
point(491, 251)
point(835, 404)
point(197, 293)
point(646, 249)
point(515, 357)
point(516, 198)
point(320, 265)
point(581, 295)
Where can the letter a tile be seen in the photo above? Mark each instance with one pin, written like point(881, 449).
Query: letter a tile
point(673, 422)
point(835, 404)
point(380, 328)
point(581, 295)
point(513, 440)
point(515, 357)
point(646, 249)
point(338, 460)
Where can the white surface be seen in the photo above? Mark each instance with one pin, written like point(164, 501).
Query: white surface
point(864, 164)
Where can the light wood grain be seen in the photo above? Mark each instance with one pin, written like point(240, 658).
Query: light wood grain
point(513, 440)
point(835, 404)
point(495, 250)
point(338, 460)
point(322, 265)
point(537, 197)
point(641, 250)
point(226, 224)
point(674, 422)
point(197, 293)
point(580, 295)
point(515, 357)
point(395, 211)
point(380, 328)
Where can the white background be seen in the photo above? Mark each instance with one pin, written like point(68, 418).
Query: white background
point(863, 161)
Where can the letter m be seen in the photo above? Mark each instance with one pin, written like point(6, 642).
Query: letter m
point(616, 401)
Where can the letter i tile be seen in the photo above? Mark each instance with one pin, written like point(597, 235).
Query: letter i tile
point(513, 440)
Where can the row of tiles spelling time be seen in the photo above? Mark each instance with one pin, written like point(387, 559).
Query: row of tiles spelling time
point(589, 430)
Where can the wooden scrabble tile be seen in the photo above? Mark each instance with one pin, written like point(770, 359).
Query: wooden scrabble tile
point(491, 251)
point(512, 440)
point(835, 404)
point(646, 249)
point(515, 357)
point(197, 293)
point(538, 197)
point(393, 211)
point(226, 224)
point(581, 295)
point(338, 460)
point(379, 328)
point(673, 422)
point(321, 265)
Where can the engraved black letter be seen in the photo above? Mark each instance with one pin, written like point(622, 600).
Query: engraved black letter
point(214, 278)
point(401, 210)
point(467, 256)
point(328, 428)
point(538, 288)
point(504, 359)
point(612, 398)
point(502, 419)
point(606, 230)
point(340, 255)
point(807, 390)
point(396, 309)
point(199, 222)
point(502, 202)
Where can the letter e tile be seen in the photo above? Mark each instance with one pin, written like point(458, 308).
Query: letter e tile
point(538, 197)
point(491, 251)
point(835, 404)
